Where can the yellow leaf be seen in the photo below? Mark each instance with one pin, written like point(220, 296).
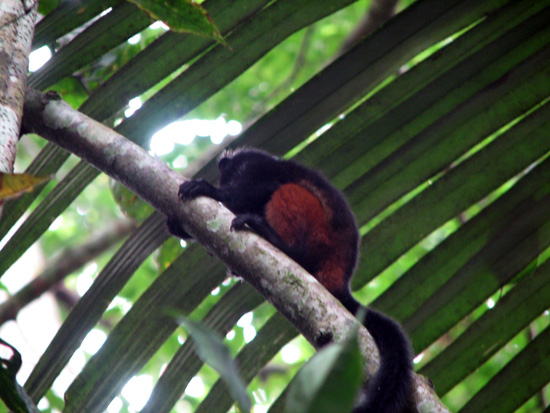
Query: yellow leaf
point(14, 185)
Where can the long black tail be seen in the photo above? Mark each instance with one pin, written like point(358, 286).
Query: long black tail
point(389, 389)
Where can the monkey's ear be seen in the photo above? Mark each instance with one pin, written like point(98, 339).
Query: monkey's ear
point(224, 164)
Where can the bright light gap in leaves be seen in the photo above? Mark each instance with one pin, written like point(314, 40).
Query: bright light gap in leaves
point(291, 353)
point(245, 322)
point(196, 388)
point(38, 58)
point(184, 132)
point(137, 391)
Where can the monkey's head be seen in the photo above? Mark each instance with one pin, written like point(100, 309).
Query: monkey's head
point(234, 164)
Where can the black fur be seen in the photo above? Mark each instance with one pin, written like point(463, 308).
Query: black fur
point(248, 179)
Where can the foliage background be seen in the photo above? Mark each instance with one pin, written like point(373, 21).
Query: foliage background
point(450, 192)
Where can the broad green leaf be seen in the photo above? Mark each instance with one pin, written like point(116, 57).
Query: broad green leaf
point(330, 380)
point(531, 368)
point(526, 301)
point(164, 56)
point(181, 16)
point(47, 6)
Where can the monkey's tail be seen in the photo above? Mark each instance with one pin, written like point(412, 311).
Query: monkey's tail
point(389, 389)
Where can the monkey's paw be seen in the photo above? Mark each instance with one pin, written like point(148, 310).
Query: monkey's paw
point(252, 220)
point(195, 188)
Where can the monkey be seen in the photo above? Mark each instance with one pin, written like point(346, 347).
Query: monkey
point(298, 211)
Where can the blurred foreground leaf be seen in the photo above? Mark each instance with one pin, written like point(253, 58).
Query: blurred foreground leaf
point(329, 381)
point(211, 350)
point(10, 391)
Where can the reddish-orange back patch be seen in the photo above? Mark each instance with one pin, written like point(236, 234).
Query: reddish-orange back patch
point(299, 218)
point(296, 214)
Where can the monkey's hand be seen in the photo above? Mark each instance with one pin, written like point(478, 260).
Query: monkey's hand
point(195, 188)
point(187, 191)
point(260, 226)
point(255, 222)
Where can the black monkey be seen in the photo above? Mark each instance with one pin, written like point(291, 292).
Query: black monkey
point(301, 213)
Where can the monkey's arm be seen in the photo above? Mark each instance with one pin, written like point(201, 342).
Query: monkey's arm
point(190, 190)
point(229, 195)
point(239, 199)
point(261, 227)
point(199, 187)
point(236, 199)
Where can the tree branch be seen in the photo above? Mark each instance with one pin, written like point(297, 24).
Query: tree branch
point(63, 264)
point(16, 30)
point(293, 291)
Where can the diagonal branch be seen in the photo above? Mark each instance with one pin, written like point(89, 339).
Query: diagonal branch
point(293, 292)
